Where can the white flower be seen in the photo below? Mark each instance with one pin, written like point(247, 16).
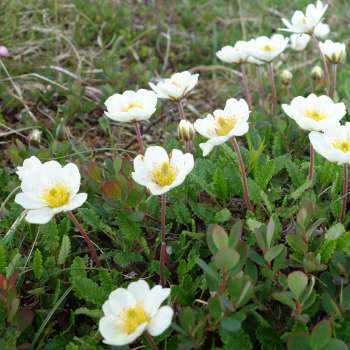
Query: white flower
point(159, 172)
point(48, 189)
point(223, 124)
point(253, 60)
point(333, 144)
point(131, 106)
point(298, 42)
point(177, 87)
point(315, 113)
point(129, 312)
point(29, 165)
point(185, 130)
point(267, 49)
point(334, 52)
point(306, 23)
point(321, 30)
point(234, 54)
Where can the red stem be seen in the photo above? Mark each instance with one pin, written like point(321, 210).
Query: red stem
point(273, 89)
point(312, 162)
point(345, 193)
point(92, 250)
point(334, 80)
point(243, 175)
point(181, 110)
point(245, 83)
point(139, 138)
point(150, 341)
point(162, 258)
point(325, 66)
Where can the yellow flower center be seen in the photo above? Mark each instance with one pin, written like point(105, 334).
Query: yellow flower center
point(343, 146)
point(131, 105)
point(315, 115)
point(164, 175)
point(134, 317)
point(56, 196)
point(224, 125)
point(268, 48)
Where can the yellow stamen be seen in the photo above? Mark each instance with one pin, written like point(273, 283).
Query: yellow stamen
point(164, 175)
point(268, 48)
point(134, 317)
point(343, 146)
point(56, 196)
point(131, 105)
point(315, 115)
point(224, 125)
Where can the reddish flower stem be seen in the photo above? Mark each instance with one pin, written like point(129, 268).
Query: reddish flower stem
point(273, 89)
point(245, 83)
point(162, 258)
point(345, 193)
point(150, 340)
point(243, 175)
point(325, 66)
point(312, 163)
point(139, 138)
point(334, 80)
point(92, 250)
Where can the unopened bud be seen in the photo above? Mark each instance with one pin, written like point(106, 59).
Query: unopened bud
point(4, 52)
point(185, 130)
point(317, 73)
point(35, 136)
point(286, 77)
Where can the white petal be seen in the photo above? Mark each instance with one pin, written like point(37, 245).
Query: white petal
point(155, 298)
point(76, 202)
point(28, 202)
point(160, 321)
point(120, 299)
point(139, 289)
point(40, 216)
point(71, 175)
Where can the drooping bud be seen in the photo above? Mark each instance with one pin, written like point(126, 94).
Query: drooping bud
point(35, 136)
point(316, 73)
point(286, 76)
point(185, 130)
point(4, 52)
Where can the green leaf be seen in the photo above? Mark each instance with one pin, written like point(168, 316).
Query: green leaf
point(285, 298)
point(297, 282)
point(235, 234)
point(321, 335)
point(223, 215)
point(93, 313)
point(334, 232)
point(230, 324)
point(270, 230)
point(207, 269)
point(273, 252)
point(335, 344)
point(297, 244)
point(219, 236)
point(215, 307)
point(37, 264)
point(226, 259)
point(64, 251)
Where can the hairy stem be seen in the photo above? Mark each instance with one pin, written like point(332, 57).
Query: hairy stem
point(334, 80)
point(345, 192)
point(150, 341)
point(245, 83)
point(325, 67)
point(139, 138)
point(243, 175)
point(312, 162)
point(163, 242)
point(92, 250)
point(273, 89)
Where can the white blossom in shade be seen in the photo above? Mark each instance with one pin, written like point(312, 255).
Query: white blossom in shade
point(48, 189)
point(306, 22)
point(131, 106)
point(321, 30)
point(234, 54)
point(253, 60)
point(334, 52)
point(315, 113)
point(224, 124)
point(160, 172)
point(130, 312)
point(178, 86)
point(298, 42)
point(267, 49)
point(333, 144)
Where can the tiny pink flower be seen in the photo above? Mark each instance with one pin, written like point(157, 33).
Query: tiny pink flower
point(4, 52)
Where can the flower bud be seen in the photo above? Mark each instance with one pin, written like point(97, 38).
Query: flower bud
point(35, 136)
point(316, 73)
point(4, 52)
point(185, 130)
point(334, 52)
point(286, 77)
